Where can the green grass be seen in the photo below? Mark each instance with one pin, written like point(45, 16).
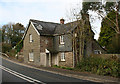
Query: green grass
point(62, 67)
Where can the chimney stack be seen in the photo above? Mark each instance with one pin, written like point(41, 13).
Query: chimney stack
point(62, 21)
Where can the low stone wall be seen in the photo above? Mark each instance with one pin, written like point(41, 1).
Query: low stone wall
point(20, 57)
point(107, 56)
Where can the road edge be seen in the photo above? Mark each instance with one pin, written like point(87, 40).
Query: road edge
point(92, 79)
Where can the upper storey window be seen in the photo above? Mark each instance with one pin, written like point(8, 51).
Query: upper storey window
point(30, 37)
point(62, 39)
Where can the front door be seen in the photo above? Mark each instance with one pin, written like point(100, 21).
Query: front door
point(47, 59)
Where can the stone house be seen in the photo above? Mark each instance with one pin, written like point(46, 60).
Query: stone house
point(48, 43)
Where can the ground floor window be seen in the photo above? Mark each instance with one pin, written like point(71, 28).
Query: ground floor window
point(31, 57)
point(62, 56)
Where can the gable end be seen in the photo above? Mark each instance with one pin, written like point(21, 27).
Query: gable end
point(28, 28)
point(35, 29)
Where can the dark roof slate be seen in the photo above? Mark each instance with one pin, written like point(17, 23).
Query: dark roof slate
point(47, 27)
point(65, 28)
point(50, 28)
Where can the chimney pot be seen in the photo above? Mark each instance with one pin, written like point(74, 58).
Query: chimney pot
point(62, 21)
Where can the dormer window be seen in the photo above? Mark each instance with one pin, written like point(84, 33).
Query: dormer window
point(61, 39)
point(39, 27)
point(30, 36)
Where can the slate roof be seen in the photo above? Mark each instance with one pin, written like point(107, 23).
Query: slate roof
point(50, 28)
point(65, 28)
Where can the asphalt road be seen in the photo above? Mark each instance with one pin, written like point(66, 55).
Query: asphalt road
point(12, 72)
point(7, 77)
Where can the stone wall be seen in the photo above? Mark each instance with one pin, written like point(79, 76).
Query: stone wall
point(106, 56)
point(68, 59)
point(43, 59)
point(55, 59)
point(31, 46)
point(46, 42)
point(20, 56)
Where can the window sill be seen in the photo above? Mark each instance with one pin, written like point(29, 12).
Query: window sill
point(31, 61)
point(62, 43)
point(62, 60)
point(31, 41)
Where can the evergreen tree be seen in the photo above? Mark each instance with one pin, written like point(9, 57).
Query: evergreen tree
point(108, 37)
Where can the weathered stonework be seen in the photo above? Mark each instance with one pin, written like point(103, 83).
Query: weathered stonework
point(43, 59)
point(55, 59)
point(31, 46)
point(45, 43)
point(68, 59)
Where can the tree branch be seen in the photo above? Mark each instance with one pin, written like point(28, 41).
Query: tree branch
point(117, 25)
point(110, 21)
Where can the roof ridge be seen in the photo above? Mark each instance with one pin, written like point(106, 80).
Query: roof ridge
point(44, 21)
point(73, 22)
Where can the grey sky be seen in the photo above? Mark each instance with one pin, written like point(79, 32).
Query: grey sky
point(44, 10)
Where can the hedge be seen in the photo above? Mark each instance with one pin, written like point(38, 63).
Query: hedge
point(101, 66)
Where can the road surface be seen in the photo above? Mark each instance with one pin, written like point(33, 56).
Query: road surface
point(12, 72)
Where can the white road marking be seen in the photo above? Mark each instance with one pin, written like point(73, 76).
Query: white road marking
point(29, 79)
point(59, 73)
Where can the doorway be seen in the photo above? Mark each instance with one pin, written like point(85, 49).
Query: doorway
point(47, 59)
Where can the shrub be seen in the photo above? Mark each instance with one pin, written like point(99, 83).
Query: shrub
point(56, 66)
point(100, 66)
point(68, 68)
point(6, 47)
point(12, 53)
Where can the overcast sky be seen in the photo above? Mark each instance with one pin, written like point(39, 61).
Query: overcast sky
point(45, 10)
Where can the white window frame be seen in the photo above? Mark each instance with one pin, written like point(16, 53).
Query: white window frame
point(31, 57)
point(61, 39)
point(62, 56)
point(30, 38)
point(97, 51)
